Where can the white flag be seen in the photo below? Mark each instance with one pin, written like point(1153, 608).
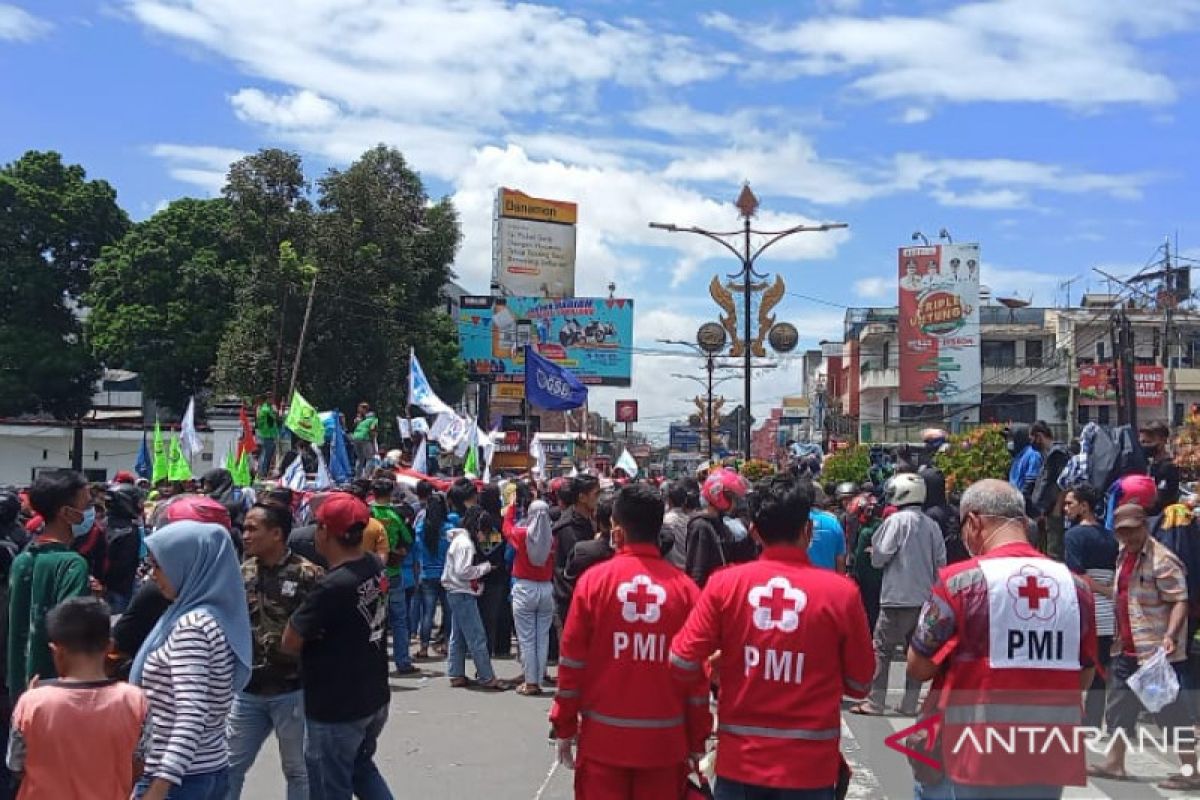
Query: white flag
point(488, 451)
point(539, 455)
point(419, 425)
point(189, 440)
point(294, 477)
point(420, 392)
point(419, 459)
point(322, 481)
point(404, 429)
point(627, 463)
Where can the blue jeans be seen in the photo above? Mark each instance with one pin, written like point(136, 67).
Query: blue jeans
point(398, 613)
point(533, 613)
point(251, 721)
point(266, 455)
point(735, 790)
point(466, 633)
point(432, 594)
point(340, 757)
point(201, 786)
point(414, 609)
point(949, 790)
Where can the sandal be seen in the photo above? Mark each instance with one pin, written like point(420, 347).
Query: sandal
point(459, 683)
point(1180, 783)
point(867, 709)
point(529, 690)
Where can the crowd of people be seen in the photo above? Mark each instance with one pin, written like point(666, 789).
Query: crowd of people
point(156, 640)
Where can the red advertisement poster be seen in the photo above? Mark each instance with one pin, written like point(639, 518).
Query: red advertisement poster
point(939, 324)
point(1097, 384)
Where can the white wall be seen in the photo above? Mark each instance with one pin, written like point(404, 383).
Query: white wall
point(25, 449)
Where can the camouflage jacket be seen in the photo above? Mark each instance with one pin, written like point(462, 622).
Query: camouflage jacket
point(274, 594)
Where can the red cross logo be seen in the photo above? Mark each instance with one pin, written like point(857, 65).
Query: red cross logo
point(641, 599)
point(1033, 592)
point(776, 603)
point(1029, 587)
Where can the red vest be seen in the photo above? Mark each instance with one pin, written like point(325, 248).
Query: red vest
point(523, 568)
point(793, 640)
point(613, 669)
point(1024, 630)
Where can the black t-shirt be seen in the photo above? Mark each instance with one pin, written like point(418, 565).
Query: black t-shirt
point(344, 663)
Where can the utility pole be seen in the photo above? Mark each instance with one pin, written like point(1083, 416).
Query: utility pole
point(747, 255)
point(1170, 297)
point(1128, 376)
point(312, 291)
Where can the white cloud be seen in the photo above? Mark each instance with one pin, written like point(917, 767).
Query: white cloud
point(915, 115)
point(875, 288)
point(18, 25)
point(1076, 53)
point(454, 60)
point(302, 109)
point(984, 199)
point(1027, 284)
point(199, 165)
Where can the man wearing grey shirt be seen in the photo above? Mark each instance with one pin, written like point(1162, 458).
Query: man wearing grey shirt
point(683, 497)
point(910, 550)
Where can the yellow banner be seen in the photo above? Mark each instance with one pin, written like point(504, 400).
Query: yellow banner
point(509, 391)
point(522, 206)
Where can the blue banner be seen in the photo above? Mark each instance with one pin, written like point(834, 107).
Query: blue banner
point(549, 386)
point(591, 336)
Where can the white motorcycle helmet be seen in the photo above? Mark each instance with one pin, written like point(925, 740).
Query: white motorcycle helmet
point(905, 489)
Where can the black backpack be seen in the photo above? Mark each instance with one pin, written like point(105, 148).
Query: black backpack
point(1116, 453)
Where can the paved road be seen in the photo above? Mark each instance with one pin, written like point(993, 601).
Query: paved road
point(447, 744)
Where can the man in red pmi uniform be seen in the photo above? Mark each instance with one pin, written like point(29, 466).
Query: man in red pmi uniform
point(640, 725)
point(1009, 638)
point(793, 640)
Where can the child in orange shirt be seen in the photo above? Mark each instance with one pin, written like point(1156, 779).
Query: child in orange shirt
point(82, 734)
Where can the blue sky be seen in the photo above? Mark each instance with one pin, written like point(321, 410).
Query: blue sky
point(1059, 135)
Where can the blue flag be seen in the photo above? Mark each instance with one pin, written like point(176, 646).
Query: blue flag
point(339, 457)
point(549, 386)
point(144, 467)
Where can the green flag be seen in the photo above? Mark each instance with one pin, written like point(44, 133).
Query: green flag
point(303, 420)
point(230, 464)
point(471, 465)
point(179, 470)
point(241, 471)
point(160, 470)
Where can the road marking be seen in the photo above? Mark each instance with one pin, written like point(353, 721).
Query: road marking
point(864, 784)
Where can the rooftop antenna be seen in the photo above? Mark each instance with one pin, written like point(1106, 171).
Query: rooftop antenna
point(1066, 286)
point(920, 237)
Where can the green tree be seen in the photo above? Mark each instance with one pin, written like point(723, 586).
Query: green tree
point(53, 224)
point(383, 254)
point(268, 194)
point(161, 298)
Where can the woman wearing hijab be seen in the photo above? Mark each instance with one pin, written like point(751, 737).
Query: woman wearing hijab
point(533, 593)
point(193, 661)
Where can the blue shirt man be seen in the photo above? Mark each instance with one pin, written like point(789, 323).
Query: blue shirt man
point(828, 546)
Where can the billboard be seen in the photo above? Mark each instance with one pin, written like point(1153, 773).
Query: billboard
point(627, 411)
point(684, 439)
point(939, 324)
point(591, 336)
point(1097, 382)
point(534, 248)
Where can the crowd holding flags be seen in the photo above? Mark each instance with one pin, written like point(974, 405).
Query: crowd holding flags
point(548, 386)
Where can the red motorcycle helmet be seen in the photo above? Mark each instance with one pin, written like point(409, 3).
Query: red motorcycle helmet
point(722, 488)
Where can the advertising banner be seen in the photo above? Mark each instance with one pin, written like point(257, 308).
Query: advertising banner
point(627, 411)
point(684, 439)
point(1097, 382)
point(939, 324)
point(590, 336)
point(535, 246)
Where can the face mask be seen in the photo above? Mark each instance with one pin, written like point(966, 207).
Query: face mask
point(84, 525)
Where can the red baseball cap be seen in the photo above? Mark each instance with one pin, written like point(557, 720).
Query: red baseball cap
point(340, 511)
point(124, 476)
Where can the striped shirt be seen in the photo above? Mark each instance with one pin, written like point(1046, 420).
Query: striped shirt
point(189, 682)
point(1156, 583)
